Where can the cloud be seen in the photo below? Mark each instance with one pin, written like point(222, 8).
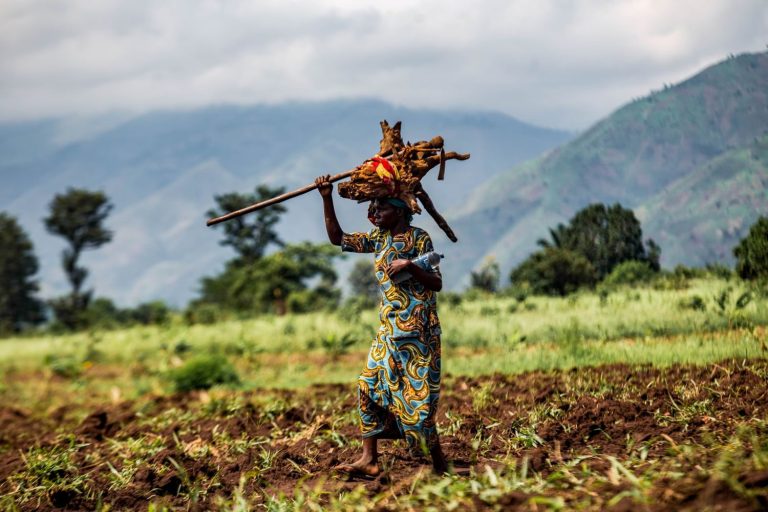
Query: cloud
point(554, 62)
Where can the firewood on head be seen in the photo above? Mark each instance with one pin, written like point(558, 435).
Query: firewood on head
point(397, 172)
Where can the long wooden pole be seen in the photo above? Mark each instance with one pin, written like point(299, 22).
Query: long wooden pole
point(275, 200)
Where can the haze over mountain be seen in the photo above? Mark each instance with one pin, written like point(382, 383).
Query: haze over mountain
point(691, 160)
point(161, 170)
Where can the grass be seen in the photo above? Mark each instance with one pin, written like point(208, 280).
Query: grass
point(480, 336)
point(66, 377)
point(483, 323)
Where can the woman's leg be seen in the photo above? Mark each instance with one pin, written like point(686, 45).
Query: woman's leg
point(439, 462)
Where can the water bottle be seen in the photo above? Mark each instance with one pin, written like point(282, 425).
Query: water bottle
point(428, 261)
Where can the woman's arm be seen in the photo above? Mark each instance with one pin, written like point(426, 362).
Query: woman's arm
point(431, 280)
point(332, 225)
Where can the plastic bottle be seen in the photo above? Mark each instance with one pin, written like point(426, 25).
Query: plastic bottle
point(428, 261)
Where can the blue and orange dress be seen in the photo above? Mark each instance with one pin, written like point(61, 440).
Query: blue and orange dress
point(399, 387)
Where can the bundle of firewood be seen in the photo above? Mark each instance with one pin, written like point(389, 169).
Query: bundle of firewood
point(397, 170)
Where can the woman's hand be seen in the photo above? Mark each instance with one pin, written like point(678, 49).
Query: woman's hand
point(397, 266)
point(332, 227)
point(430, 280)
point(324, 185)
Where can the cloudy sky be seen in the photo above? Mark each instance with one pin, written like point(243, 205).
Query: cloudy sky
point(558, 63)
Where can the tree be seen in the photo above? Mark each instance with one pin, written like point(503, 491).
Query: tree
point(557, 235)
point(554, 271)
point(595, 241)
point(251, 234)
point(487, 276)
point(254, 281)
point(607, 236)
point(278, 282)
point(630, 272)
point(18, 264)
point(362, 281)
point(286, 273)
point(752, 252)
point(77, 216)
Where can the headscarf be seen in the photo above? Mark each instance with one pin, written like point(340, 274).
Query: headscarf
point(399, 203)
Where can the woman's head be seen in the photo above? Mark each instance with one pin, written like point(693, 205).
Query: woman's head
point(388, 212)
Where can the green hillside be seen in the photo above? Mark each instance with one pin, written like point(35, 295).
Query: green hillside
point(162, 169)
point(689, 156)
point(702, 216)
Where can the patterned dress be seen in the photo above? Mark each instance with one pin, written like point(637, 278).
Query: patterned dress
point(399, 387)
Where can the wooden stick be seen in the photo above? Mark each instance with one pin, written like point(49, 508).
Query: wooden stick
point(441, 174)
point(275, 200)
point(426, 201)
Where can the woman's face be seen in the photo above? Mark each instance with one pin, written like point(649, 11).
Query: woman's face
point(385, 215)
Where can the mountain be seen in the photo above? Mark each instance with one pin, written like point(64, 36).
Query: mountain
point(689, 159)
point(162, 169)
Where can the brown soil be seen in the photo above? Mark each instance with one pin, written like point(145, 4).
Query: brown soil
point(590, 413)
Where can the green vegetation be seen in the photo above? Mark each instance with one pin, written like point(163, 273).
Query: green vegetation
point(606, 236)
point(279, 283)
point(596, 241)
point(487, 277)
point(554, 271)
point(362, 282)
point(630, 272)
point(689, 321)
point(77, 216)
point(614, 406)
point(245, 431)
point(203, 372)
point(690, 160)
point(752, 252)
point(19, 307)
point(253, 282)
point(251, 235)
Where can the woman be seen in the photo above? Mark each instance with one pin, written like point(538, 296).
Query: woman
point(399, 387)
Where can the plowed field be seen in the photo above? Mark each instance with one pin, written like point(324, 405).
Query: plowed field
point(614, 437)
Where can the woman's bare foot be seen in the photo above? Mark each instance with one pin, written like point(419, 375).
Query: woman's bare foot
point(367, 466)
point(362, 467)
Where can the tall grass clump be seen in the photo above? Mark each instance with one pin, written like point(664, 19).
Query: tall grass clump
point(203, 372)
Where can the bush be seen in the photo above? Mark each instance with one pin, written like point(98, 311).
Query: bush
point(150, 313)
point(475, 294)
point(450, 298)
point(683, 272)
point(554, 271)
point(362, 281)
point(630, 272)
point(102, 312)
point(719, 270)
point(316, 299)
point(752, 252)
point(487, 276)
point(694, 302)
point(63, 366)
point(334, 344)
point(605, 236)
point(203, 372)
point(678, 278)
point(203, 313)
